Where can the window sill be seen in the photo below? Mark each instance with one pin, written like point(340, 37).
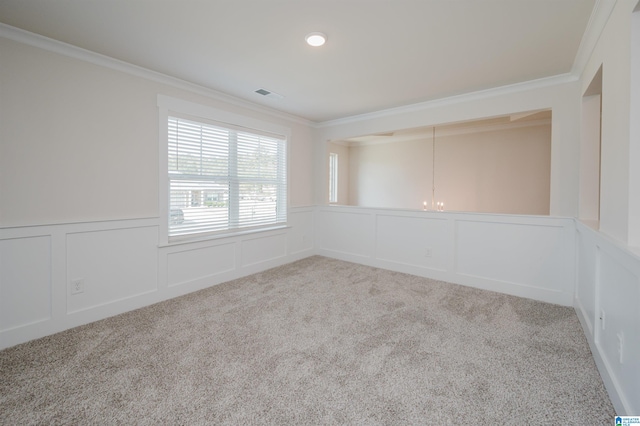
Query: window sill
point(212, 237)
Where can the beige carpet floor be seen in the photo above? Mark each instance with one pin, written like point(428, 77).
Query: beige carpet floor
point(318, 341)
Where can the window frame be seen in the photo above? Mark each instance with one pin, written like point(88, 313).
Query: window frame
point(169, 106)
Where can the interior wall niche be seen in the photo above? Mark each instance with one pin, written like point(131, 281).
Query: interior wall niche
point(494, 165)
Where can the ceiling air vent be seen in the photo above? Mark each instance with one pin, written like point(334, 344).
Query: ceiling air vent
point(269, 94)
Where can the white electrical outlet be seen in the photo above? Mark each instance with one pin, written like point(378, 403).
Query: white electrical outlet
point(427, 252)
point(77, 286)
point(621, 346)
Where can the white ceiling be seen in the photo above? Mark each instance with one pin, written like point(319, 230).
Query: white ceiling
point(379, 54)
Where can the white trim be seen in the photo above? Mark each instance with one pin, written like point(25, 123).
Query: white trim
point(610, 383)
point(627, 259)
point(452, 100)
point(599, 16)
point(22, 231)
point(69, 50)
point(220, 116)
point(333, 239)
point(167, 105)
point(154, 288)
point(223, 235)
point(163, 177)
point(444, 132)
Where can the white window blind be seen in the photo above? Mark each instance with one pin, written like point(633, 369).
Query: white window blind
point(333, 177)
point(223, 179)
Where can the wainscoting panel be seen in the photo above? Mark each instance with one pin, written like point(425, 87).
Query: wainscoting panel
point(522, 254)
point(586, 278)
point(347, 231)
point(414, 241)
point(260, 249)
point(527, 256)
point(113, 264)
point(25, 281)
point(199, 263)
point(608, 306)
point(300, 236)
point(619, 341)
point(121, 268)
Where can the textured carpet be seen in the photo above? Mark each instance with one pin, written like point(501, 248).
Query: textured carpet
point(314, 342)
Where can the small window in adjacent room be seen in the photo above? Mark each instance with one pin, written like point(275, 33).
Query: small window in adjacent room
point(333, 177)
point(223, 178)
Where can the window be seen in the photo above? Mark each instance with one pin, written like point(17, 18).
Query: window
point(333, 177)
point(223, 178)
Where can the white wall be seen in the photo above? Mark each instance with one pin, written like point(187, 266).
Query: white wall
point(80, 141)
point(634, 133)
point(79, 167)
point(556, 260)
point(528, 256)
point(122, 268)
point(73, 134)
point(612, 52)
point(607, 299)
point(608, 269)
point(559, 94)
point(492, 171)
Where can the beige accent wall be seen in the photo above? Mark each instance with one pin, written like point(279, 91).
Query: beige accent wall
point(396, 175)
point(501, 171)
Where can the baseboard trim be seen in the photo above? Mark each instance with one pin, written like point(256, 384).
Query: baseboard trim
point(610, 383)
point(482, 283)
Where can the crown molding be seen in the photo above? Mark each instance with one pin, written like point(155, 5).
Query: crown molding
point(69, 50)
point(446, 131)
point(599, 16)
point(452, 100)
point(597, 21)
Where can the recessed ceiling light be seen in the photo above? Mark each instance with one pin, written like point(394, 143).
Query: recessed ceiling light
point(315, 39)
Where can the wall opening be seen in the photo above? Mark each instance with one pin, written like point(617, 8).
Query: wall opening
point(494, 165)
point(590, 150)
